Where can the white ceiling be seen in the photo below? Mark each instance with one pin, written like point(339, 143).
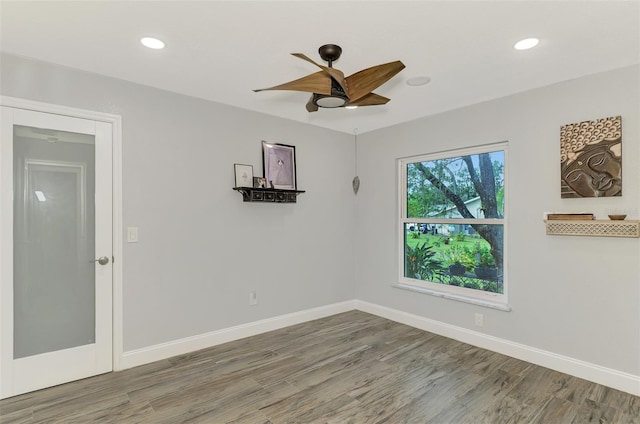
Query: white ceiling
point(221, 50)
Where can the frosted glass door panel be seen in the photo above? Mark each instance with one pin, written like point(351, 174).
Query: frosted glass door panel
point(54, 240)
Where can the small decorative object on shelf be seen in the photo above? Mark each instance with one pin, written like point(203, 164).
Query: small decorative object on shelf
point(570, 216)
point(259, 182)
point(256, 194)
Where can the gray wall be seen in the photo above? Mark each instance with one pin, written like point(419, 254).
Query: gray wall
point(201, 249)
point(574, 296)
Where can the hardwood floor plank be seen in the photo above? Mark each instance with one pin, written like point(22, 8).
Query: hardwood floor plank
point(540, 384)
point(307, 406)
point(185, 376)
point(348, 368)
point(625, 402)
point(555, 411)
point(23, 416)
point(253, 417)
point(491, 390)
point(206, 395)
point(360, 365)
point(81, 406)
point(129, 413)
point(440, 394)
point(68, 391)
point(592, 412)
point(623, 418)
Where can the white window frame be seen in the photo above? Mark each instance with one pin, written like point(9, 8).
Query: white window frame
point(478, 297)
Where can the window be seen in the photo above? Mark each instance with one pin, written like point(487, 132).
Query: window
point(452, 223)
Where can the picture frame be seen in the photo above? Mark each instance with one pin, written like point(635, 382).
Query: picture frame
point(279, 164)
point(244, 175)
point(259, 182)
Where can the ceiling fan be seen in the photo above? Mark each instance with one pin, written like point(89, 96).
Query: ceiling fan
point(331, 89)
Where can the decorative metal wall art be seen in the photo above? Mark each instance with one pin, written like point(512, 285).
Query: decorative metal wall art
point(591, 158)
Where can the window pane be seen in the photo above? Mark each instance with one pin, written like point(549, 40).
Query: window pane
point(468, 187)
point(464, 255)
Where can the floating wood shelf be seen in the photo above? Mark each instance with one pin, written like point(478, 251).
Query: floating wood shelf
point(597, 228)
point(273, 195)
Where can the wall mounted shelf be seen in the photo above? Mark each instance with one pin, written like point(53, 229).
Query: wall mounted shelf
point(597, 228)
point(268, 195)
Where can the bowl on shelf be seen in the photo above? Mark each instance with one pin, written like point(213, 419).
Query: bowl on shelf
point(617, 217)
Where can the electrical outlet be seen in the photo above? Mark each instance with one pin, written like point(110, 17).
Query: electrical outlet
point(253, 298)
point(479, 320)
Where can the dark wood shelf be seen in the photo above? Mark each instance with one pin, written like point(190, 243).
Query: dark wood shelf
point(269, 195)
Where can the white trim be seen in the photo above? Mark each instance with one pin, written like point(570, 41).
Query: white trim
point(116, 122)
point(118, 254)
point(598, 374)
point(452, 296)
point(57, 109)
point(6, 245)
point(189, 344)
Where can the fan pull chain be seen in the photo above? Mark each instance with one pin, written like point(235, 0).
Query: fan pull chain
point(356, 180)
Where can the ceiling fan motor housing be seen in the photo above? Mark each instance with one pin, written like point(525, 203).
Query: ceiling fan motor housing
point(330, 53)
point(337, 98)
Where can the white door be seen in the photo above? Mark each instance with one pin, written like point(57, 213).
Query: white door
point(55, 223)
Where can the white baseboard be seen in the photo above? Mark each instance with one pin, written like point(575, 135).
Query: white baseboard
point(598, 374)
point(161, 351)
point(606, 376)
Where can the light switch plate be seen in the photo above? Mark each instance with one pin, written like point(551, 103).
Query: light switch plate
point(132, 234)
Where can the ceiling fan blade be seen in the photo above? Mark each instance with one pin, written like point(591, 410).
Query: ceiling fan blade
point(362, 83)
point(371, 99)
point(307, 58)
point(318, 82)
point(311, 107)
point(336, 74)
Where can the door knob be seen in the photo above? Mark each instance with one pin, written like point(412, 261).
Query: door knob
point(102, 260)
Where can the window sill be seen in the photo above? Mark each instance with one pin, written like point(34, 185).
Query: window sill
point(459, 298)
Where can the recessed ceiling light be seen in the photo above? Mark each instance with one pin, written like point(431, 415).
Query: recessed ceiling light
point(417, 81)
point(351, 107)
point(525, 44)
point(152, 43)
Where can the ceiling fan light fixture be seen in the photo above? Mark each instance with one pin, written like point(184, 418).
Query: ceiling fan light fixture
point(321, 100)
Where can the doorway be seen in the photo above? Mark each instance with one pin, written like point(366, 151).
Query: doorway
point(57, 251)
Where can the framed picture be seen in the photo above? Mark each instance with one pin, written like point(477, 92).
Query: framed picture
point(244, 175)
point(259, 182)
point(279, 163)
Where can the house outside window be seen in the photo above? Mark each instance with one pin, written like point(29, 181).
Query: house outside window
point(453, 223)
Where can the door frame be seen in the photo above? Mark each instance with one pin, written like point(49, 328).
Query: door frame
point(117, 229)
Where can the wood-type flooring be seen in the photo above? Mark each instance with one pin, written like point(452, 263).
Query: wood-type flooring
point(347, 368)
